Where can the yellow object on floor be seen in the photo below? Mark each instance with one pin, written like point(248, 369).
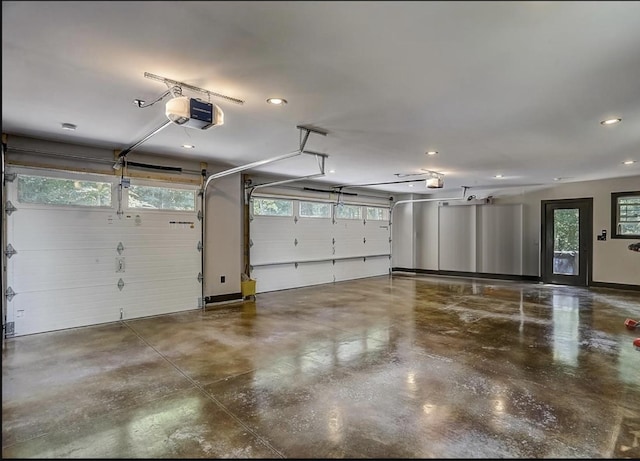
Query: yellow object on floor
point(248, 288)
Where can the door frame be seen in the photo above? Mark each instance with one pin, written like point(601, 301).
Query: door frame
point(586, 241)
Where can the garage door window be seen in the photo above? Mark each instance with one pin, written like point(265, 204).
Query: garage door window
point(348, 212)
point(377, 214)
point(272, 207)
point(315, 210)
point(161, 198)
point(63, 192)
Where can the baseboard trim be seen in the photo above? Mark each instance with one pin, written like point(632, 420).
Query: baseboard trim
point(481, 275)
point(222, 298)
point(615, 286)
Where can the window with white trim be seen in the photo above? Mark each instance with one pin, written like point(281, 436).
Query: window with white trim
point(625, 215)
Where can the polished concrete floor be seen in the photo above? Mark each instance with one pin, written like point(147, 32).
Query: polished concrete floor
point(386, 367)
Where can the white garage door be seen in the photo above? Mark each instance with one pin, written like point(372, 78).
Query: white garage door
point(80, 256)
point(300, 242)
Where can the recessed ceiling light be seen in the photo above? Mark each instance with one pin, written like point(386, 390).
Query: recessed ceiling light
point(69, 126)
point(432, 152)
point(277, 101)
point(557, 179)
point(188, 146)
point(611, 121)
point(410, 185)
point(629, 162)
point(332, 171)
point(498, 176)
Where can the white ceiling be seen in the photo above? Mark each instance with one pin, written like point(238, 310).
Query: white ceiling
point(512, 88)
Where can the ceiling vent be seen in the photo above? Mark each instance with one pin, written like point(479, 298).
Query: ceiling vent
point(193, 113)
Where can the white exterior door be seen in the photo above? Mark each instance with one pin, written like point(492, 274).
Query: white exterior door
point(82, 260)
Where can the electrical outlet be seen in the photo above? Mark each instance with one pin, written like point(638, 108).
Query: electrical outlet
point(222, 279)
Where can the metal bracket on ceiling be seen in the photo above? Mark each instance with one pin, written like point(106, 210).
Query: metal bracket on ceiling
point(320, 157)
point(174, 83)
point(308, 130)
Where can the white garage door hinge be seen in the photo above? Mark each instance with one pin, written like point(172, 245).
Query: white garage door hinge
point(10, 251)
point(200, 277)
point(9, 208)
point(120, 284)
point(199, 246)
point(199, 215)
point(120, 248)
point(9, 293)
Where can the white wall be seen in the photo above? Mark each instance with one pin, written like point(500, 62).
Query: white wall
point(426, 236)
point(612, 260)
point(223, 239)
point(415, 230)
point(403, 235)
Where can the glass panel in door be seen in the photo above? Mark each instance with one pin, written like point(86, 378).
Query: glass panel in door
point(566, 241)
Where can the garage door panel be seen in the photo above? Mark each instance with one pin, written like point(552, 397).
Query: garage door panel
point(349, 269)
point(377, 266)
point(350, 246)
point(348, 227)
point(377, 235)
point(314, 227)
point(377, 247)
point(50, 310)
point(146, 298)
point(284, 276)
point(64, 229)
point(265, 252)
point(161, 234)
point(310, 248)
point(270, 225)
point(315, 273)
point(54, 270)
point(276, 277)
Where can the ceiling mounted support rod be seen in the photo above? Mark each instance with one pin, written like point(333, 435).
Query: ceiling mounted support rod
point(308, 130)
point(400, 202)
point(130, 148)
point(319, 156)
point(171, 83)
point(248, 166)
